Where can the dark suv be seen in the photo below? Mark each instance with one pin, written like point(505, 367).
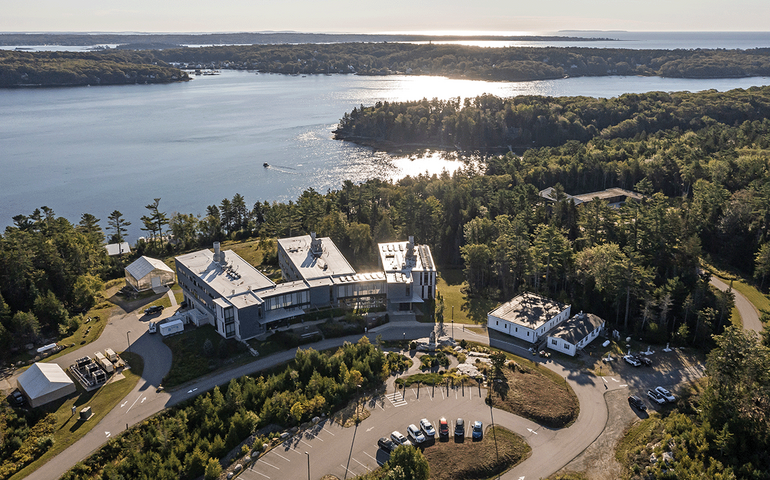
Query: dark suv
point(460, 428)
point(153, 310)
point(637, 402)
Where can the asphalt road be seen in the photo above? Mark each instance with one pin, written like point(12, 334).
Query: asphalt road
point(749, 314)
point(552, 449)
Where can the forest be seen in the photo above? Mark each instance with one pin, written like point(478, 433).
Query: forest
point(492, 124)
point(476, 63)
point(33, 69)
point(150, 64)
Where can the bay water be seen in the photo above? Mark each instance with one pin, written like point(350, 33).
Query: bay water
point(98, 149)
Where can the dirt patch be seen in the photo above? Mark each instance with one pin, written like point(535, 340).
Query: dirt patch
point(348, 416)
point(597, 462)
point(452, 460)
point(531, 394)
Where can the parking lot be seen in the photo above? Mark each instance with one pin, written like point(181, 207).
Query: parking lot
point(347, 452)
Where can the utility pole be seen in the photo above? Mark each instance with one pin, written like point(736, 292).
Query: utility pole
point(308, 465)
point(128, 340)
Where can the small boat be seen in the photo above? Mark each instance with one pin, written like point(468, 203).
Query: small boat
point(265, 164)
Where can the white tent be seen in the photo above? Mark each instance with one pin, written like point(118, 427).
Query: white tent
point(146, 273)
point(114, 249)
point(45, 382)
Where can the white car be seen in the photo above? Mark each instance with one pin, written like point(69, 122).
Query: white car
point(152, 327)
point(415, 433)
point(427, 428)
point(656, 397)
point(632, 361)
point(666, 394)
point(399, 439)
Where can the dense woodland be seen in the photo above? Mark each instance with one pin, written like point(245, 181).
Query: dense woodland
point(459, 61)
point(509, 63)
point(28, 69)
point(488, 123)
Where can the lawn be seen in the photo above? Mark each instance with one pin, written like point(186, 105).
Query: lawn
point(457, 305)
point(190, 359)
point(68, 428)
point(499, 451)
point(758, 299)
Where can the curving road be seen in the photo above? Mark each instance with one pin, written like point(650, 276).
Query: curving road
point(749, 313)
point(552, 449)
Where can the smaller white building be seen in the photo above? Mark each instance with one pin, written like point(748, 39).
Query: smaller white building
point(117, 249)
point(575, 333)
point(146, 273)
point(528, 316)
point(45, 382)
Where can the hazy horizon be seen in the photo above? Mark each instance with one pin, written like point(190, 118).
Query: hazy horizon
point(367, 16)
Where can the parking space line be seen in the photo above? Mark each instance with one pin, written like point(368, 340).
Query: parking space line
point(316, 437)
point(279, 455)
point(269, 465)
point(378, 462)
point(327, 431)
point(415, 394)
point(259, 473)
point(366, 467)
point(346, 468)
point(305, 443)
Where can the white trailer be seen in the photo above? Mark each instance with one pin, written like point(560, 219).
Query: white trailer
point(104, 363)
point(170, 328)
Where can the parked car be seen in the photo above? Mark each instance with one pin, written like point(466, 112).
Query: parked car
point(631, 360)
point(153, 310)
point(643, 360)
point(460, 428)
point(443, 428)
point(152, 327)
point(637, 402)
point(478, 430)
point(17, 398)
point(399, 439)
point(427, 428)
point(666, 394)
point(386, 444)
point(656, 397)
point(415, 434)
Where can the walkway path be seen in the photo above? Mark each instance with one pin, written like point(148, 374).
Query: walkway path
point(749, 313)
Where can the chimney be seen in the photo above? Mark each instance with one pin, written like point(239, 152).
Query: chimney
point(315, 245)
point(217, 252)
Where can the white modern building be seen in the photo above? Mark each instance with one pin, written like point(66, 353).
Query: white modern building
point(575, 333)
point(241, 302)
point(410, 273)
point(527, 316)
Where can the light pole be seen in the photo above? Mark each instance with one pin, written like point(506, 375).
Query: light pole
point(358, 401)
point(128, 340)
point(308, 465)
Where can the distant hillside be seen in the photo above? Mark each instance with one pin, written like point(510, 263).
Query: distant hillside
point(47, 69)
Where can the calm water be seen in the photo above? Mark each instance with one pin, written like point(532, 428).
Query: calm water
point(97, 149)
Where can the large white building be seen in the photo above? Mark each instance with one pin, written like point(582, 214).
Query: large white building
point(528, 316)
point(241, 302)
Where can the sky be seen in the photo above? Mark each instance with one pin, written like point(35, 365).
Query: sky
point(378, 16)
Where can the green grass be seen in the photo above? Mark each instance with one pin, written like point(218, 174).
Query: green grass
point(498, 451)
point(69, 429)
point(189, 360)
point(758, 299)
point(472, 311)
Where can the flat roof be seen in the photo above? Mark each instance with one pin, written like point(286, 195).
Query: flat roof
point(330, 262)
point(234, 280)
point(576, 328)
point(358, 278)
point(393, 257)
point(609, 193)
point(528, 310)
